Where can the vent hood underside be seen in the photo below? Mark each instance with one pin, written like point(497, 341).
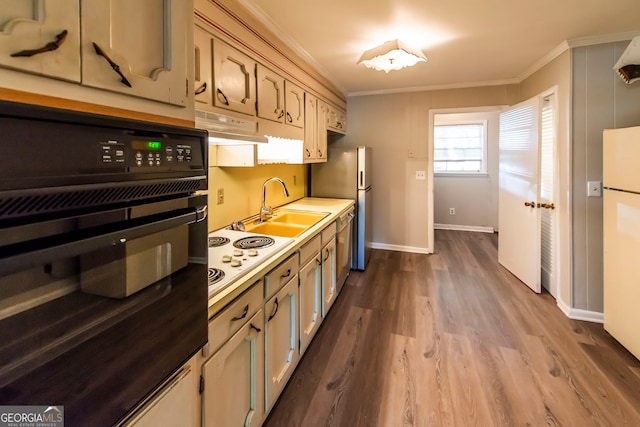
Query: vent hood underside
point(227, 129)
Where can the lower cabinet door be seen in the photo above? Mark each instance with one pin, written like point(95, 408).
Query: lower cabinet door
point(281, 339)
point(329, 276)
point(234, 379)
point(310, 301)
point(173, 405)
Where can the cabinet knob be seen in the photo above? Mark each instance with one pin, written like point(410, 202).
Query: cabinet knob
point(289, 118)
point(222, 97)
point(243, 315)
point(49, 47)
point(113, 65)
point(201, 89)
point(275, 311)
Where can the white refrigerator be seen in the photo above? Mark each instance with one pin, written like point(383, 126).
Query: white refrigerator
point(621, 235)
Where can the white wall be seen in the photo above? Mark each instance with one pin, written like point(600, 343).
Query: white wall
point(396, 126)
point(475, 197)
point(600, 100)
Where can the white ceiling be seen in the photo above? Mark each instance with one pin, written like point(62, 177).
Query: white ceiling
point(468, 42)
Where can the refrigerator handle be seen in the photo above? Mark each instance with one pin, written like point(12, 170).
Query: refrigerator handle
point(361, 180)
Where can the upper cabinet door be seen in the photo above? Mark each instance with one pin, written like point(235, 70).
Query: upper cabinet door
point(203, 87)
point(142, 46)
point(28, 28)
point(294, 105)
point(310, 128)
point(270, 95)
point(234, 79)
point(337, 120)
point(321, 129)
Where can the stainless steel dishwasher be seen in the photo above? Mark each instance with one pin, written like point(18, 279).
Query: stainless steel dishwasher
point(345, 248)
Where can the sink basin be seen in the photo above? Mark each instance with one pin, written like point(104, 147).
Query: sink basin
point(276, 228)
point(297, 217)
point(285, 223)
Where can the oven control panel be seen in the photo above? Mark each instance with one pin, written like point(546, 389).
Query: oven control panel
point(146, 153)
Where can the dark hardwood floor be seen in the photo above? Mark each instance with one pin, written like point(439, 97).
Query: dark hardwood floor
point(453, 339)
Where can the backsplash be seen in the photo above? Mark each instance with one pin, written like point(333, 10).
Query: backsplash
point(243, 190)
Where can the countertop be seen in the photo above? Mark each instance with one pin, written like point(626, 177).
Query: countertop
point(335, 208)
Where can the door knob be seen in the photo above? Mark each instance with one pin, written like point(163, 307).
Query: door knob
point(548, 205)
point(530, 204)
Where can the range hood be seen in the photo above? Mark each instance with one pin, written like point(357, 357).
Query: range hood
point(628, 66)
point(228, 130)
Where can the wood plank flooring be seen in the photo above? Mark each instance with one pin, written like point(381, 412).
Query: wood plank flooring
point(453, 339)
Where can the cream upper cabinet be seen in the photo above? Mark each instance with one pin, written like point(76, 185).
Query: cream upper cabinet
point(29, 31)
point(310, 126)
point(271, 89)
point(321, 131)
point(234, 79)
point(337, 120)
point(203, 87)
point(136, 47)
point(315, 129)
point(294, 105)
point(133, 47)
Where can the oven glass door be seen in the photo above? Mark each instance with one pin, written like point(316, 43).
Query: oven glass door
point(84, 324)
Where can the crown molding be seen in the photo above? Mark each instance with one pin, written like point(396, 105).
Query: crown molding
point(266, 20)
point(434, 87)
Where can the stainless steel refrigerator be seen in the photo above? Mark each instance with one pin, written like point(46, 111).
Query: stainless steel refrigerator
point(347, 174)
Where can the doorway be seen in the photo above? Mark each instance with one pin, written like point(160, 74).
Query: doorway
point(463, 182)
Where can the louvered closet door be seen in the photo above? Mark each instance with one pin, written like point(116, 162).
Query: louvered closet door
point(548, 221)
point(518, 215)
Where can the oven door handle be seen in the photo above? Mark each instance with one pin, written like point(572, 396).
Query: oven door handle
point(23, 255)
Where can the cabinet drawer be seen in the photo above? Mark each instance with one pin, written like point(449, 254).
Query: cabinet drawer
point(310, 249)
point(280, 275)
point(234, 316)
point(329, 233)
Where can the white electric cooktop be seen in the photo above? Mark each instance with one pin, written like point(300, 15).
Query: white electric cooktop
point(232, 254)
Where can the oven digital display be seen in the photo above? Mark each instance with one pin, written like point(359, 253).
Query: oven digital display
point(139, 144)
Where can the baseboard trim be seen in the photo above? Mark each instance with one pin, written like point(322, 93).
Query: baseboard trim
point(412, 249)
point(477, 228)
point(579, 314)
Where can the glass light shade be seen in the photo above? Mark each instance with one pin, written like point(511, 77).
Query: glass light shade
point(391, 55)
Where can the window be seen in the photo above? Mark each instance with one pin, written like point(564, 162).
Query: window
point(460, 148)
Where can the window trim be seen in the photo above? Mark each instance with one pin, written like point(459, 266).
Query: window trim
point(483, 172)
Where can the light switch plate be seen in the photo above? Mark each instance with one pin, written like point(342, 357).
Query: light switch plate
point(594, 189)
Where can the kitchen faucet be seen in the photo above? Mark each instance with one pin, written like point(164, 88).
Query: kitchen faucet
point(265, 212)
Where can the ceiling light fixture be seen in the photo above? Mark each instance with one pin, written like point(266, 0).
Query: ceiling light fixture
point(391, 55)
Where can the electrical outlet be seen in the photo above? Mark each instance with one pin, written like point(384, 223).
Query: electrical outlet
point(452, 211)
point(220, 196)
point(421, 175)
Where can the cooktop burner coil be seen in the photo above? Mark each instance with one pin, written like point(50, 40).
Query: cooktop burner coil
point(254, 242)
point(214, 275)
point(216, 241)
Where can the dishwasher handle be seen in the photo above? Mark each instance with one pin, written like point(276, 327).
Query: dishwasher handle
point(346, 219)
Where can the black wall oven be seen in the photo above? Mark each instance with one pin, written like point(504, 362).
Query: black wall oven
point(103, 259)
